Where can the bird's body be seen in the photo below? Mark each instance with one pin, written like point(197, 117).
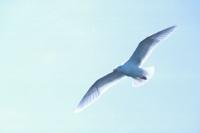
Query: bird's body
point(132, 68)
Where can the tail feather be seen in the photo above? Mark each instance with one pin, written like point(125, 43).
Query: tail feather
point(149, 74)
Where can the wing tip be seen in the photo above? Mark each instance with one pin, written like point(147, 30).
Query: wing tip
point(168, 30)
point(163, 34)
point(80, 107)
point(171, 28)
point(83, 104)
point(77, 110)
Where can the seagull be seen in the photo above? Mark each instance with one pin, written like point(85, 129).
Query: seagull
point(131, 68)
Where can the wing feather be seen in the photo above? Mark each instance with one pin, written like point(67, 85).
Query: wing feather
point(98, 88)
point(146, 46)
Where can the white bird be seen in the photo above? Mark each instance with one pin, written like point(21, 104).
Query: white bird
point(132, 68)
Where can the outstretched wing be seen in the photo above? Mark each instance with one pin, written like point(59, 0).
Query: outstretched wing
point(98, 88)
point(146, 46)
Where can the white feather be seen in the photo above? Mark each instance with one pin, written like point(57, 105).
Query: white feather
point(131, 67)
point(140, 82)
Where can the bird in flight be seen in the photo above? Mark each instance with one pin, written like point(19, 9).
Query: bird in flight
point(132, 68)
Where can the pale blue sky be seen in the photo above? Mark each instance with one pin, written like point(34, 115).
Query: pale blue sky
point(52, 51)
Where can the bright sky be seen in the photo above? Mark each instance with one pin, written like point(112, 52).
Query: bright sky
point(51, 51)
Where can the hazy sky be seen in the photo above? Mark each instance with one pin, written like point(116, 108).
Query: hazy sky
point(51, 51)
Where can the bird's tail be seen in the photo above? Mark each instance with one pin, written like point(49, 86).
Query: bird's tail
point(149, 72)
